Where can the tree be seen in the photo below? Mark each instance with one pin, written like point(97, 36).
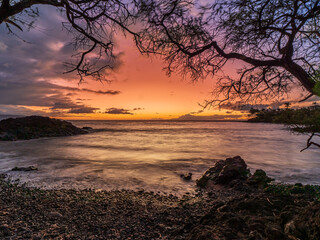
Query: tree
point(287, 105)
point(92, 23)
point(277, 40)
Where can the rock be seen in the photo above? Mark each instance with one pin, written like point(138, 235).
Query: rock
point(210, 174)
point(235, 168)
point(4, 230)
point(32, 127)
point(55, 214)
point(87, 129)
point(186, 176)
point(274, 232)
point(305, 224)
point(259, 179)
point(290, 230)
point(225, 171)
point(25, 169)
point(254, 235)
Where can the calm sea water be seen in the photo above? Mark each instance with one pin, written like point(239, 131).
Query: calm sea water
point(151, 155)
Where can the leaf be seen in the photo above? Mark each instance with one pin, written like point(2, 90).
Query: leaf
point(13, 23)
point(316, 88)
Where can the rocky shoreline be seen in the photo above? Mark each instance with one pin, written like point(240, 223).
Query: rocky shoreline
point(240, 207)
point(32, 127)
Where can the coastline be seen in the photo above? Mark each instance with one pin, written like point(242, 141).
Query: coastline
point(221, 213)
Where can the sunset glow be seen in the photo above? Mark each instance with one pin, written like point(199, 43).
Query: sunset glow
point(139, 87)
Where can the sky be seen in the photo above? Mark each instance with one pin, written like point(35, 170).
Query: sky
point(32, 81)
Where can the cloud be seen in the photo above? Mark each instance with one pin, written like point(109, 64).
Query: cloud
point(26, 72)
point(196, 112)
point(82, 110)
point(19, 110)
point(118, 111)
point(3, 47)
point(109, 92)
point(72, 107)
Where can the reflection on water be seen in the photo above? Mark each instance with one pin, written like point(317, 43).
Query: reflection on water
point(153, 154)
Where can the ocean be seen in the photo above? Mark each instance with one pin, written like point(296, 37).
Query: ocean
point(152, 155)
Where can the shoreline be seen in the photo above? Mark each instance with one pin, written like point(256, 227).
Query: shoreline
point(221, 213)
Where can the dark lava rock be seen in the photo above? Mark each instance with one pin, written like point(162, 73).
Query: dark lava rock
point(306, 224)
point(25, 169)
point(186, 177)
point(35, 127)
point(259, 179)
point(225, 171)
point(4, 231)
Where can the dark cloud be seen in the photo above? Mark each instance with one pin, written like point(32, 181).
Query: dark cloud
point(83, 109)
point(196, 112)
point(109, 92)
point(65, 105)
point(118, 111)
point(138, 109)
point(82, 99)
point(26, 67)
point(72, 107)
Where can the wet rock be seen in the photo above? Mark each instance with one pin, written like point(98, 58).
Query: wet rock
point(211, 174)
point(224, 172)
point(187, 176)
point(235, 168)
point(32, 127)
point(87, 128)
point(259, 179)
point(25, 169)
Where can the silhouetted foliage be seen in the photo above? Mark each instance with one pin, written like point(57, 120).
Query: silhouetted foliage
point(91, 22)
point(302, 120)
point(279, 42)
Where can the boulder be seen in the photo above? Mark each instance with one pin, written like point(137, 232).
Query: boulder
point(225, 171)
point(234, 168)
point(32, 127)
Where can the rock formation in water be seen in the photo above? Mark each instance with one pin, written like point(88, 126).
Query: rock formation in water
point(233, 171)
point(32, 127)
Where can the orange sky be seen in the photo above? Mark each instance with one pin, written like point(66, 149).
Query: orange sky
point(144, 86)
